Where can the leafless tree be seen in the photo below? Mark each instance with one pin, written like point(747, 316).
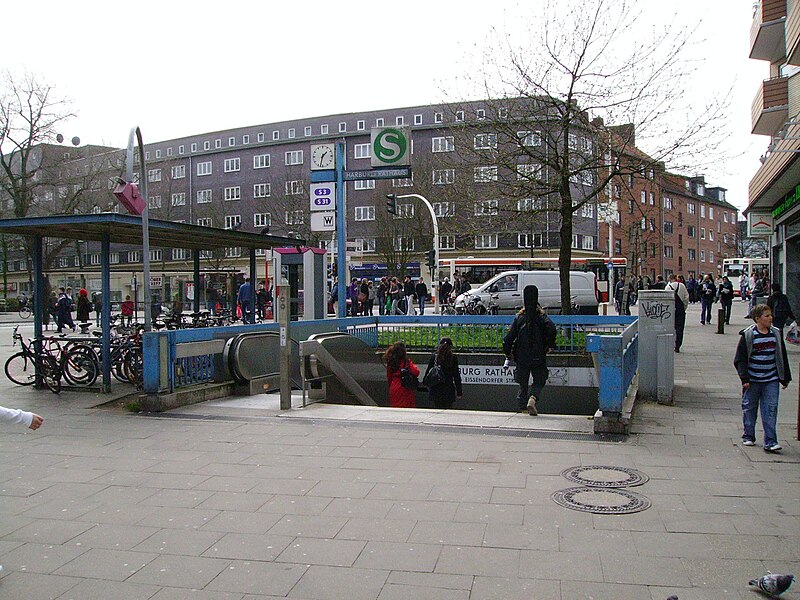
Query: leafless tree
point(584, 86)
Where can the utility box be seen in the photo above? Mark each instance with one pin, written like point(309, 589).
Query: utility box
point(656, 345)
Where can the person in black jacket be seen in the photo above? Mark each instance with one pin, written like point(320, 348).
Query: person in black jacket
point(531, 336)
point(708, 293)
point(445, 393)
point(778, 303)
point(421, 291)
point(725, 295)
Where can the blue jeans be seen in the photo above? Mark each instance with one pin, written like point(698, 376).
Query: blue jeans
point(522, 377)
point(765, 395)
point(705, 310)
point(422, 305)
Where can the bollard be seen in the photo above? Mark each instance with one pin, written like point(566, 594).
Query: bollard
point(721, 320)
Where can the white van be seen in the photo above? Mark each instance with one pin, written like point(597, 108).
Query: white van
point(505, 290)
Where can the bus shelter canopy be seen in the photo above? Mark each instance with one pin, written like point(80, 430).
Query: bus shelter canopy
point(127, 229)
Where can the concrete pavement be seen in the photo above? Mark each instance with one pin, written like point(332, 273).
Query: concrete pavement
point(236, 499)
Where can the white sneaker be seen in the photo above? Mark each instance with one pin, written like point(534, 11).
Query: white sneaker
point(773, 448)
point(532, 406)
point(748, 443)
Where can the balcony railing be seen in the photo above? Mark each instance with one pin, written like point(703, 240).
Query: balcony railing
point(768, 33)
point(771, 106)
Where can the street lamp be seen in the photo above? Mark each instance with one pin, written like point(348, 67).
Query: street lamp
point(128, 194)
point(435, 278)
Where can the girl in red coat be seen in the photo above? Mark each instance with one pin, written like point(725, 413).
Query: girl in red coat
point(396, 359)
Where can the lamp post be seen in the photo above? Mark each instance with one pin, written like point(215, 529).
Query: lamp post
point(128, 194)
point(435, 278)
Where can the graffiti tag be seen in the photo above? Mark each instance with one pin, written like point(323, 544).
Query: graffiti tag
point(656, 310)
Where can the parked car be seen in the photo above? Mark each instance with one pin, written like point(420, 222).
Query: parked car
point(505, 291)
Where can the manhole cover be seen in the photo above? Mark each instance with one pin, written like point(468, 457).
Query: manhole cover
point(601, 501)
point(605, 477)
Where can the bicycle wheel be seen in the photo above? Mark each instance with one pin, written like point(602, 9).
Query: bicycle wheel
point(25, 312)
point(51, 374)
point(80, 365)
point(20, 369)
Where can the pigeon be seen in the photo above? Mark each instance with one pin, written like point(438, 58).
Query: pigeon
point(773, 584)
point(672, 598)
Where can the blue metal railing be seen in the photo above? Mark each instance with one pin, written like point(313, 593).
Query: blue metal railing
point(617, 357)
point(167, 368)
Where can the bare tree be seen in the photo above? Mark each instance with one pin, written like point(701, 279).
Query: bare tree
point(568, 101)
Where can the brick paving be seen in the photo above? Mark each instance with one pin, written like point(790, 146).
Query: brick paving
point(235, 501)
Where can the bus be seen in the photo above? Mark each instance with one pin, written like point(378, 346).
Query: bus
point(480, 270)
point(734, 267)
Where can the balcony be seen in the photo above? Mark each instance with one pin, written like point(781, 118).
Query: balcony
point(793, 38)
point(767, 34)
point(771, 106)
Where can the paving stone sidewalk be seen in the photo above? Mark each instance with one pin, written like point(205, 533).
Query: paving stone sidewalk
point(106, 504)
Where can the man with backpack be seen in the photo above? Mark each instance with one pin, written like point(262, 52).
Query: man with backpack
point(681, 302)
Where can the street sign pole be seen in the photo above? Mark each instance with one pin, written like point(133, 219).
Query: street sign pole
point(341, 230)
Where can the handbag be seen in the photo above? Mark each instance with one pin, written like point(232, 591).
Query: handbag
point(407, 380)
point(362, 297)
point(434, 375)
point(793, 335)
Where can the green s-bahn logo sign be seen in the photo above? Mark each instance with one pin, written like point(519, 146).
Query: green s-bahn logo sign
point(390, 146)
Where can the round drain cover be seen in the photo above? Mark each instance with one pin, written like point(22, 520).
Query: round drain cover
point(605, 477)
point(601, 501)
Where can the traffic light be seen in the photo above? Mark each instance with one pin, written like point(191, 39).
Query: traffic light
point(391, 204)
point(430, 259)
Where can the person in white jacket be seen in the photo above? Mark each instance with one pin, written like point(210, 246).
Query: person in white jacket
point(20, 417)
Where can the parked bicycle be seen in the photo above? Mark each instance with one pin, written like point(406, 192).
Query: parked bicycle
point(21, 367)
point(25, 310)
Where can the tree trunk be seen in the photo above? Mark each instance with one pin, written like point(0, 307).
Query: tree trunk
point(565, 251)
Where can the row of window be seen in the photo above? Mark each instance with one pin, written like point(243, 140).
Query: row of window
point(291, 133)
point(487, 241)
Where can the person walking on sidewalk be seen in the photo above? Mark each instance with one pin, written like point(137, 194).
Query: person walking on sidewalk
point(447, 389)
point(531, 336)
point(762, 365)
point(396, 359)
point(725, 295)
point(681, 302)
point(708, 292)
point(778, 303)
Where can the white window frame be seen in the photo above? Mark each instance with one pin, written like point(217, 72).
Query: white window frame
point(178, 199)
point(487, 208)
point(442, 210)
point(180, 254)
point(485, 173)
point(262, 190)
point(233, 193)
point(531, 139)
point(231, 141)
point(205, 196)
point(232, 221)
point(232, 165)
point(154, 175)
point(205, 168)
point(291, 133)
point(486, 241)
point(404, 243)
point(154, 202)
point(443, 144)
point(293, 187)
point(443, 176)
point(364, 184)
point(480, 114)
point(437, 117)
point(447, 242)
point(361, 151)
point(529, 171)
point(365, 213)
point(294, 217)
point(217, 143)
point(293, 157)
point(155, 255)
point(205, 222)
point(417, 119)
point(323, 129)
point(261, 161)
point(276, 135)
point(343, 127)
point(587, 243)
point(262, 219)
point(134, 256)
point(361, 125)
point(245, 140)
point(366, 244)
point(178, 172)
point(485, 141)
point(307, 131)
point(405, 211)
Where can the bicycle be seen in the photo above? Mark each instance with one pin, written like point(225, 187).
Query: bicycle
point(21, 367)
point(25, 309)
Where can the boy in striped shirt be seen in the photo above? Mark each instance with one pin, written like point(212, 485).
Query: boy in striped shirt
point(762, 365)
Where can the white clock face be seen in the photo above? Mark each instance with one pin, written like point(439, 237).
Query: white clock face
point(322, 156)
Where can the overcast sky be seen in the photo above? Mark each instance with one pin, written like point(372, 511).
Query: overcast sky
point(177, 68)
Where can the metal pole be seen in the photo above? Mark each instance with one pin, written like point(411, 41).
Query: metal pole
point(284, 319)
point(435, 282)
point(341, 230)
point(135, 131)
